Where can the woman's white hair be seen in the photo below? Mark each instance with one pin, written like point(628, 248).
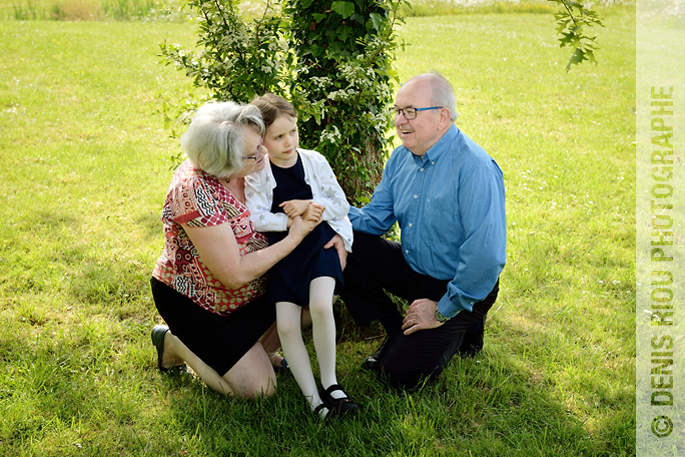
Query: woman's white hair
point(443, 93)
point(214, 139)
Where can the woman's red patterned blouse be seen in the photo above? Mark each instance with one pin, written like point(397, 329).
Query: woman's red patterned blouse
point(197, 199)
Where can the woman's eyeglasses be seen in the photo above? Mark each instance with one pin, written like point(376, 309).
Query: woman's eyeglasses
point(258, 154)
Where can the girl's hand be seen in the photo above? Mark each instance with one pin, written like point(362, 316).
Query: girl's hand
point(314, 212)
point(294, 208)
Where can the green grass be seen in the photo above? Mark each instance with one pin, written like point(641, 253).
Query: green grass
point(420, 8)
point(85, 170)
point(168, 10)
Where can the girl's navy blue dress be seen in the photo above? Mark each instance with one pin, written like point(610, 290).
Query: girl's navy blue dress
point(289, 279)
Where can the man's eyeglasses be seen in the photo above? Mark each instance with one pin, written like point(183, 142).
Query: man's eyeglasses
point(257, 155)
point(410, 113)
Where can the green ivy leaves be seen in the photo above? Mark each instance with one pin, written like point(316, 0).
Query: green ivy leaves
point(345, 9)
point(345, 51)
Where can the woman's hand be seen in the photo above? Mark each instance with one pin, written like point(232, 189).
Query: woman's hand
point(300, 228)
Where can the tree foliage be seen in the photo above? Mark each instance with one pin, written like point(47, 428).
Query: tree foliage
point(572, 22)
point(343, 83)
point(332, 59)
point(235, 60)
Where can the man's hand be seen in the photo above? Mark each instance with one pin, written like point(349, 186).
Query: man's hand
point(420, 316)
point(294, 208)
point(339, 245)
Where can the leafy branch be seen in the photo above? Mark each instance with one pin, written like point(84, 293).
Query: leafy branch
point(572, 23)
point(331, 58)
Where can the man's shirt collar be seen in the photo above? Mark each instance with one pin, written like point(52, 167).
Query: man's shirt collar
point(439, 147)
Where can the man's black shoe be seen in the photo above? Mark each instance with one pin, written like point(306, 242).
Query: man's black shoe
point(373, 362)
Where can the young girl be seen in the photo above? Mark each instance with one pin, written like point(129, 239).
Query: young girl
point(297, 182)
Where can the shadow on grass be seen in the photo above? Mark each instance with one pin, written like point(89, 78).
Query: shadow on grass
point(486, 406)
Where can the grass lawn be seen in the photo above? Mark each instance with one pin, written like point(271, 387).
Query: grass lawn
point(85, 170)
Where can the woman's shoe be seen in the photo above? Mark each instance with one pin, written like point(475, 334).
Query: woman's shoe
point(338, 406)
point(158, 333)
point(283, 367)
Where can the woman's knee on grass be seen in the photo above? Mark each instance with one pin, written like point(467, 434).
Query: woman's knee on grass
point(256, 388)
point(253, 376)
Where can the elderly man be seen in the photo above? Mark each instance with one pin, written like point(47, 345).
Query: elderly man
point(447, 194)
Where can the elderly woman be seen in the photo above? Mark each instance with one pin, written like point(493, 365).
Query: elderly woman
point(209, 283)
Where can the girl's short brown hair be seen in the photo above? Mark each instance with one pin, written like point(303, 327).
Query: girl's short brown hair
point(271, 106)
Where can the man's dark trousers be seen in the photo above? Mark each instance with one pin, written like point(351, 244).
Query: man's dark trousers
point(376, 266)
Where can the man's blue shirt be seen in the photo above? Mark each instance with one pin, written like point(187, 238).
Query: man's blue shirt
point(450, 208)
